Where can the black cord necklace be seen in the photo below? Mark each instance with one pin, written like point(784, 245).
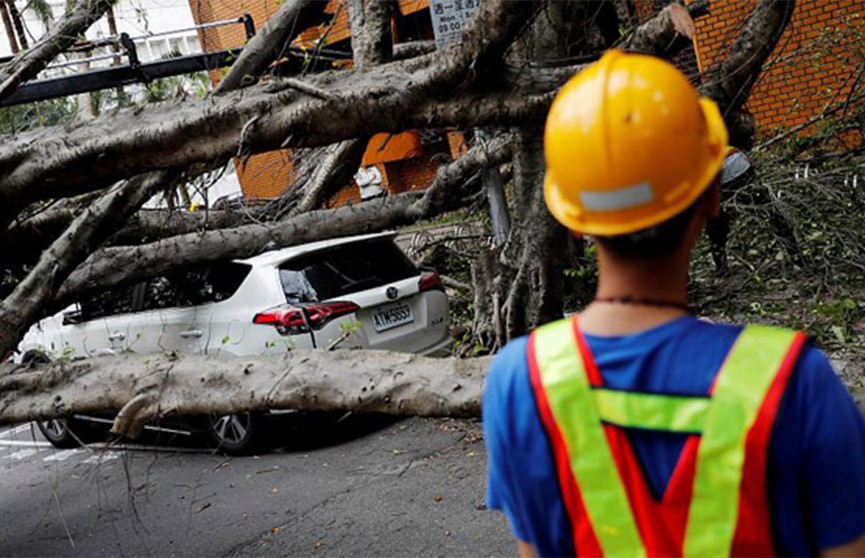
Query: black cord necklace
point(628, 299)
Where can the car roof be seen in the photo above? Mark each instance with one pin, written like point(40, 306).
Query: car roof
point(274, 257)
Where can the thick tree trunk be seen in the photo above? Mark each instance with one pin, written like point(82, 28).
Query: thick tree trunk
point(525, 281)
point(147, 388)
point(530, 286)
point(371, 35)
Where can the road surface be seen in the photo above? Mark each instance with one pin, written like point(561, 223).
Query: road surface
point(367, 486)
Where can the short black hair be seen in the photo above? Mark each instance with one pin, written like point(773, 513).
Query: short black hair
point(654, 242)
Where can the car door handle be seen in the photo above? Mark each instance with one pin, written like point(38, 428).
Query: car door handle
point(191, 333)
point(116, 336)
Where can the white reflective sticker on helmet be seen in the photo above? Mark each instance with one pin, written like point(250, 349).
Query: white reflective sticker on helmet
point(623, 198)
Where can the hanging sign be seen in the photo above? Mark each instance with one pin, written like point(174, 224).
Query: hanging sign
point(450, 18)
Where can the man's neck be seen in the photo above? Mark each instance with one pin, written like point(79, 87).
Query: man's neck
point(640, 294)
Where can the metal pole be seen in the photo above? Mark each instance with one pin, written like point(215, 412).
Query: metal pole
point(494, 188)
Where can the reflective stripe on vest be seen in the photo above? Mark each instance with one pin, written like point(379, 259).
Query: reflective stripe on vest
point(574, 408)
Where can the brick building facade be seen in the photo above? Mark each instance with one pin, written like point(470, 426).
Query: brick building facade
point(813, 67)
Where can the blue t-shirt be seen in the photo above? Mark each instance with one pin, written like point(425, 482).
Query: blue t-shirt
point(816, 461)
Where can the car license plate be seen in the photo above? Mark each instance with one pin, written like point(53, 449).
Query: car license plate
point(391, 316)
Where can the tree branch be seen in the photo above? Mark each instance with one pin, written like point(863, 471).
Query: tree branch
point(403, 51)
point(664, 35)
point(86, 233)
point(444, 193)
point(270, 43)
point(27, 64)
point(110, 267)
point(730, 83)
point(333, 170)
point(51, 164)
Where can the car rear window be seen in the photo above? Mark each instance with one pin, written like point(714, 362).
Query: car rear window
point(344, 269)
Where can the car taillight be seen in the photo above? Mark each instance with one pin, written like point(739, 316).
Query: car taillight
point(430, 282)
point(290, 320)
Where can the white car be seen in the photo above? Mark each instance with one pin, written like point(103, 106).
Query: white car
point(354, 292)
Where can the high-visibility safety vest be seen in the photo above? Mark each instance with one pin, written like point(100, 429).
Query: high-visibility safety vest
point(715, 503)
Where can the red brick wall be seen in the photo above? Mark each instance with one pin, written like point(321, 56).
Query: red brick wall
point(812, 66)
point(261, 176)
point(266, 175)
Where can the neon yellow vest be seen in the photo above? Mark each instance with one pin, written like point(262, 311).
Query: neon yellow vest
point(574, 407)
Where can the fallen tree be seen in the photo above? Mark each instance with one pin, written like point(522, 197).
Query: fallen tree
point(145, 389)
point(500, 77)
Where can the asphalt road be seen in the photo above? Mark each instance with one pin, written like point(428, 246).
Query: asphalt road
point(367, 486)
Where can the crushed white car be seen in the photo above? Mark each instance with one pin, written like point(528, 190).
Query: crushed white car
point(355, 292)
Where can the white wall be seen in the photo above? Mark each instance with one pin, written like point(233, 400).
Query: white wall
point(139, 18)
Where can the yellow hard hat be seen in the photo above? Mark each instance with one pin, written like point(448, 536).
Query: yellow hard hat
point(629, 144)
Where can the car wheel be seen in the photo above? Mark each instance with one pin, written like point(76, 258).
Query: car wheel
point(236, 434)
point(64, 433)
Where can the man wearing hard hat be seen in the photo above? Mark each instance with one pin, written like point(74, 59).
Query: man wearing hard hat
point(635, 429)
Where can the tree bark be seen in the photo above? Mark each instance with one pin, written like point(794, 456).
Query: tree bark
point(371, 35)
point(147, 388)
point(403, 51)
